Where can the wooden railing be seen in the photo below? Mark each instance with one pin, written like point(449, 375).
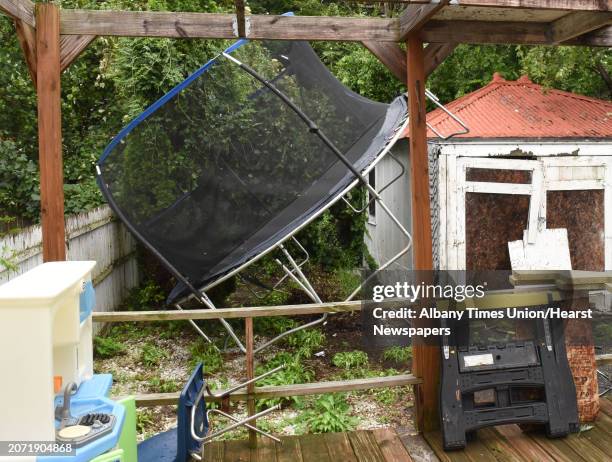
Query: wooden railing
point(283, 391)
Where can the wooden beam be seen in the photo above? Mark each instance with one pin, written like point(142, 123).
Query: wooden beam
point(22, 10)
point(205, 25)
point(250, 375)
point(392, 56)
point(50, 131)
point(598, 38)
point(435, 54)
point(485, 32)
point(147, 24)
point(576, 24)
point(414, 16)
point(323, 28)
point(425, 358)
point(26, 35)
point(71, 46)
point(603, 359)
point(285, 391)
point(576, 5)
point(419, 159)
point(227, 313)
point(240, 18)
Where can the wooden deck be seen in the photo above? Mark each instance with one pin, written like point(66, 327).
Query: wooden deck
point(381, 445)
point(506, 443)
point(509, 443)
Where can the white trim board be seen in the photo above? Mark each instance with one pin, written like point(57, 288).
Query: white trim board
point(536, 148)
point(548, 174)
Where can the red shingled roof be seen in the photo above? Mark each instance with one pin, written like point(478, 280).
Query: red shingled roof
point(523, 109)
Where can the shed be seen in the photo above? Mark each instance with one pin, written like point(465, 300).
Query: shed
point(534, 159)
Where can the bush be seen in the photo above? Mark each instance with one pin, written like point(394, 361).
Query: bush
point(107, 347)
point(350, 359)
point(330, 413)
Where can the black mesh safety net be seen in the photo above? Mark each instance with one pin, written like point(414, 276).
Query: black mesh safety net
point(221, 169)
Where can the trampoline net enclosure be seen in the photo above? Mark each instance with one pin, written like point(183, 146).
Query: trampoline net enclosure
point(221, 169)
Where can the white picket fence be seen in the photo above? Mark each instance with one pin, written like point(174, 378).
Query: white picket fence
point(94, 235)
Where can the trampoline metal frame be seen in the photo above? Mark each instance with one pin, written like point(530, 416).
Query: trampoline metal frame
point(296, 274)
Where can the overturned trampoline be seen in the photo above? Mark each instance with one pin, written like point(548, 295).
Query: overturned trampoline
point(238, 158)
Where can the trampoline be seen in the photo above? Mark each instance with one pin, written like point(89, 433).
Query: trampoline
point(238, 158)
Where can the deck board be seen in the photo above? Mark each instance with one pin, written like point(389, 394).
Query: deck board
point(339, 447)
point(390, 445)
point(499, 444)
point(381, 445)
point(290, 450)
point(213, 452)
point(508, 443)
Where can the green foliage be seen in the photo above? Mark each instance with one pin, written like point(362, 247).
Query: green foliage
point(107, 347)
point(206, 353)
point(116, 78)
point(306, 341)
point(19, 188)
point(273, 325)
point(295, 371)
point(6, 259)
point(397, 353)
point(350, 359)
point(347, 280)
point(575, 69)
point(159, 385)
point(144, 420)
point(330, 413)
point(152, 355)
point(145, 297)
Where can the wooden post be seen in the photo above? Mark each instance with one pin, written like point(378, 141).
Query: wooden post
point(426, 361)
point(250, 372)
point(50, 131)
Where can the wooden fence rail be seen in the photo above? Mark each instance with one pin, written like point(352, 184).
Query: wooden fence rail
point(228, 313)
point(284, 391)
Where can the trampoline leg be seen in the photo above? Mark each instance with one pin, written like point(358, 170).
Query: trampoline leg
point(196, 327)
point(393, 259)
point(305, 285)
point(209, 304)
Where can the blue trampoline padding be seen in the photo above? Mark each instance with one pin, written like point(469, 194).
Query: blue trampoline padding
point(159, 448)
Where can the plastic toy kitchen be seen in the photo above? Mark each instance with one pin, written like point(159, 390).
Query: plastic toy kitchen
point(49, 391)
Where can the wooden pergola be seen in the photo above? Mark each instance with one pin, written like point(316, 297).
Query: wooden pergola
point(52, 38)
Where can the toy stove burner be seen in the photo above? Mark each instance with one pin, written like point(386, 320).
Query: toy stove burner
point(88, 428)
